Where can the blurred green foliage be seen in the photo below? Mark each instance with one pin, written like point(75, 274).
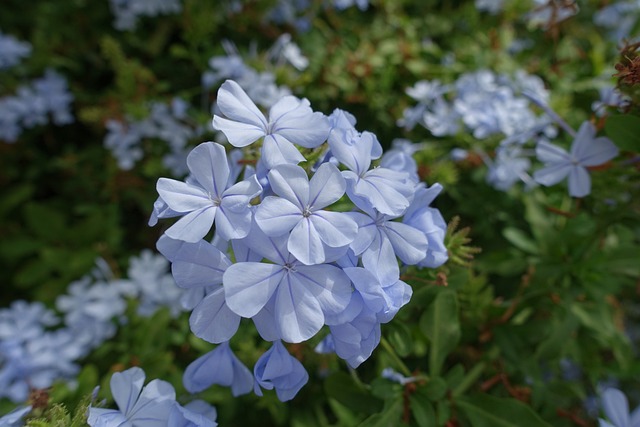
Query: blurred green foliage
point(487, 336)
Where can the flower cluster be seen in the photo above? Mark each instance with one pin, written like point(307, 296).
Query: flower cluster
point(260, 86)
point(488, 105)
point(12, 51)
point(127, 12)
point(153, 405)
point(33, 104)
point(37, 347)
point(295, 248)
point(168, 123)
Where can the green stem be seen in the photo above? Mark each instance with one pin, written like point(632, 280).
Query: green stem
point(400, 364)
point(471, 377)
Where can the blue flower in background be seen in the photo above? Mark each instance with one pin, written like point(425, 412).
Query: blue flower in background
point(12, 51)
point(277, 369)
point(616, 408)
point(127, 12)
point(33, 104)
point(586, 150)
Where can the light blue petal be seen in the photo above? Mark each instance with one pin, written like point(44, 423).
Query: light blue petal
point(265, 321)
point(298, 312)
point(238, 134)
point(381, 260)
point(126, 387)
point(305, 243)
point(272, 248)
point(233, 225)
point(336, 229)
point(182, 197)
point(552, 174)
point(154, 405)
point(276, 150)
point(549, 153)
point(368, 288)
point(100, 417)
point(616, 407)
point(326, 186)
point(204, 266)
point(291, 183)
point(212, 320)
point(238, 197)
point(579, 182)
point(277, 216)
point(327, 283)
point(351, 149)
point(193, 226)
point(249, 285)
point(367, 231)
point(409, 244)
point(592, 151)
point(207, 370)
point(390, 192)
point(208, 165)
point(294, 120)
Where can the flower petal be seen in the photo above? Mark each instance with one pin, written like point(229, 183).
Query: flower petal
point(326, 186)
point(249, 285)
point(208, 165)
point(212, 320)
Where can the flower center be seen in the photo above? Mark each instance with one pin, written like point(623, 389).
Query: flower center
point(306, 212)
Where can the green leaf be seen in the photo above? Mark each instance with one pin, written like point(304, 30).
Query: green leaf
point(435, 389)
point(624, 131)
point(389, 417)
point(342, 388)
point(441, 325)
point(400, 338)
point(520, 240)
point(422, 411)
point(487, 411)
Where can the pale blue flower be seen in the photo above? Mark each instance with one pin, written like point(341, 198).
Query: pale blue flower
point(24, 321)
point(209, 197)
point(616, 408)
point(508, 167)
point(219, 366)
point(127, 12)
point(197, 413)
point(429, 220)
point(277, 369)
point(12, 51)
point(290, 119)
point(14, 418)
point(490, 6)
point(586, 150)
point(400, 157)
point(302, 294)
point(155, 287)
point(380, 240)
point(386, 190)
point(547, 13)
point(395, 376)
point(299, 210)
point(138, 406)
point(345, 4)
